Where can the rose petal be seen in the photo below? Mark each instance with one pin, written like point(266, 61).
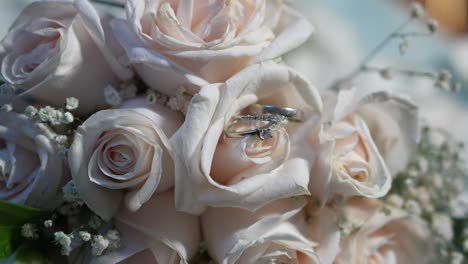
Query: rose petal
point(158, 219)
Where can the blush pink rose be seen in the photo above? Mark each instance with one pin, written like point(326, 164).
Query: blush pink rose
point(174, 43)
point(31, 172)
point(156, 233)
point(367, 131)
point(272, 234)
point(124, 156)
point(246, 172)
point(367, 231)
point(59, 49)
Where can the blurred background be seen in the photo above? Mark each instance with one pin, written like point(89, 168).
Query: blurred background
point(347, 30)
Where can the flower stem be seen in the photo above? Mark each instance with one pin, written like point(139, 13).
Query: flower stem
point(406, 72)
point(394, 34)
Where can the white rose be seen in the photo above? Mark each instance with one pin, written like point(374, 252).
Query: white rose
point(124, 155)
point(377, 237)
point(31, 173)
point(156, 233)
point(191, 42)
point(270, 235)
point(367, 129)
point(59, 49)
point(393, 121)
point(217, 170)
point(366, 231)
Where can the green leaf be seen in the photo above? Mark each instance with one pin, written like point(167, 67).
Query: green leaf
point(7, 234)
point(13, 216)
point(28, 255)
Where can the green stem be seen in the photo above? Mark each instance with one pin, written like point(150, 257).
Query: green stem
point(409, 73)
point(371, 55)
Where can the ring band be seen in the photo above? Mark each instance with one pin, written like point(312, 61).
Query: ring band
point(292, 114)
point(263, 132)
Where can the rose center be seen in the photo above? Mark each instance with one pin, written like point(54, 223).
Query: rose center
point(120, 158)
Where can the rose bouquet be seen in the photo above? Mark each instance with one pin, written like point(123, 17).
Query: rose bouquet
point(178, 135)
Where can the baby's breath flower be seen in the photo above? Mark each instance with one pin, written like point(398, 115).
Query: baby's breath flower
point(412, 207)
point(403, 47)
point(417, 10)
point(65, 241)
point(432, 25)
point(6, 108)
point(85, 236)
point(112, 96)
point(395, 200)
point(70, 194)
point(98, 245)
point(68, 118)
point(48, 223)
point(71, 103)
point(386, 73)
point(51, 115)
point(114, 239)
point(30, 111)
point(61, 139)
point(465, 245)
point(29, 231)
point(444, 76)
point(456, 257)
point(442, 225)
point(152, 97)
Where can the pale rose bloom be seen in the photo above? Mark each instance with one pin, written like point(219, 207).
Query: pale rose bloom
point(156, 233)
point(376, 237)
point(246, 172)
point(367, 130)
point(362, 232)
point(393, 120)
point(31, 173)
point(124, 156)
point(272, 234)
point(173, 43)
point(59, 49)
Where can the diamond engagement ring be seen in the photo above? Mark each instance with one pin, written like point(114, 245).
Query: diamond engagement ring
point(290, 113)
point(262, 126)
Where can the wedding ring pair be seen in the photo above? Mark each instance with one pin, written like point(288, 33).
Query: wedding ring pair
point(263, 121)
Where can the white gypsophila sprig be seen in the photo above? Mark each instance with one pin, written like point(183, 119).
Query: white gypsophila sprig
point(50, 115)
point(456, 257)
point(6, 108)
point(29, 231)
point(178, 102)
point(71, 103)
point(112, 96)
point(70, 193)
point(48, 223)
point(31, 111)
point(403, 35)
point(113, 236)
point(84, 235)
point(65, 241)
point(98, 245)
point(431, 188)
